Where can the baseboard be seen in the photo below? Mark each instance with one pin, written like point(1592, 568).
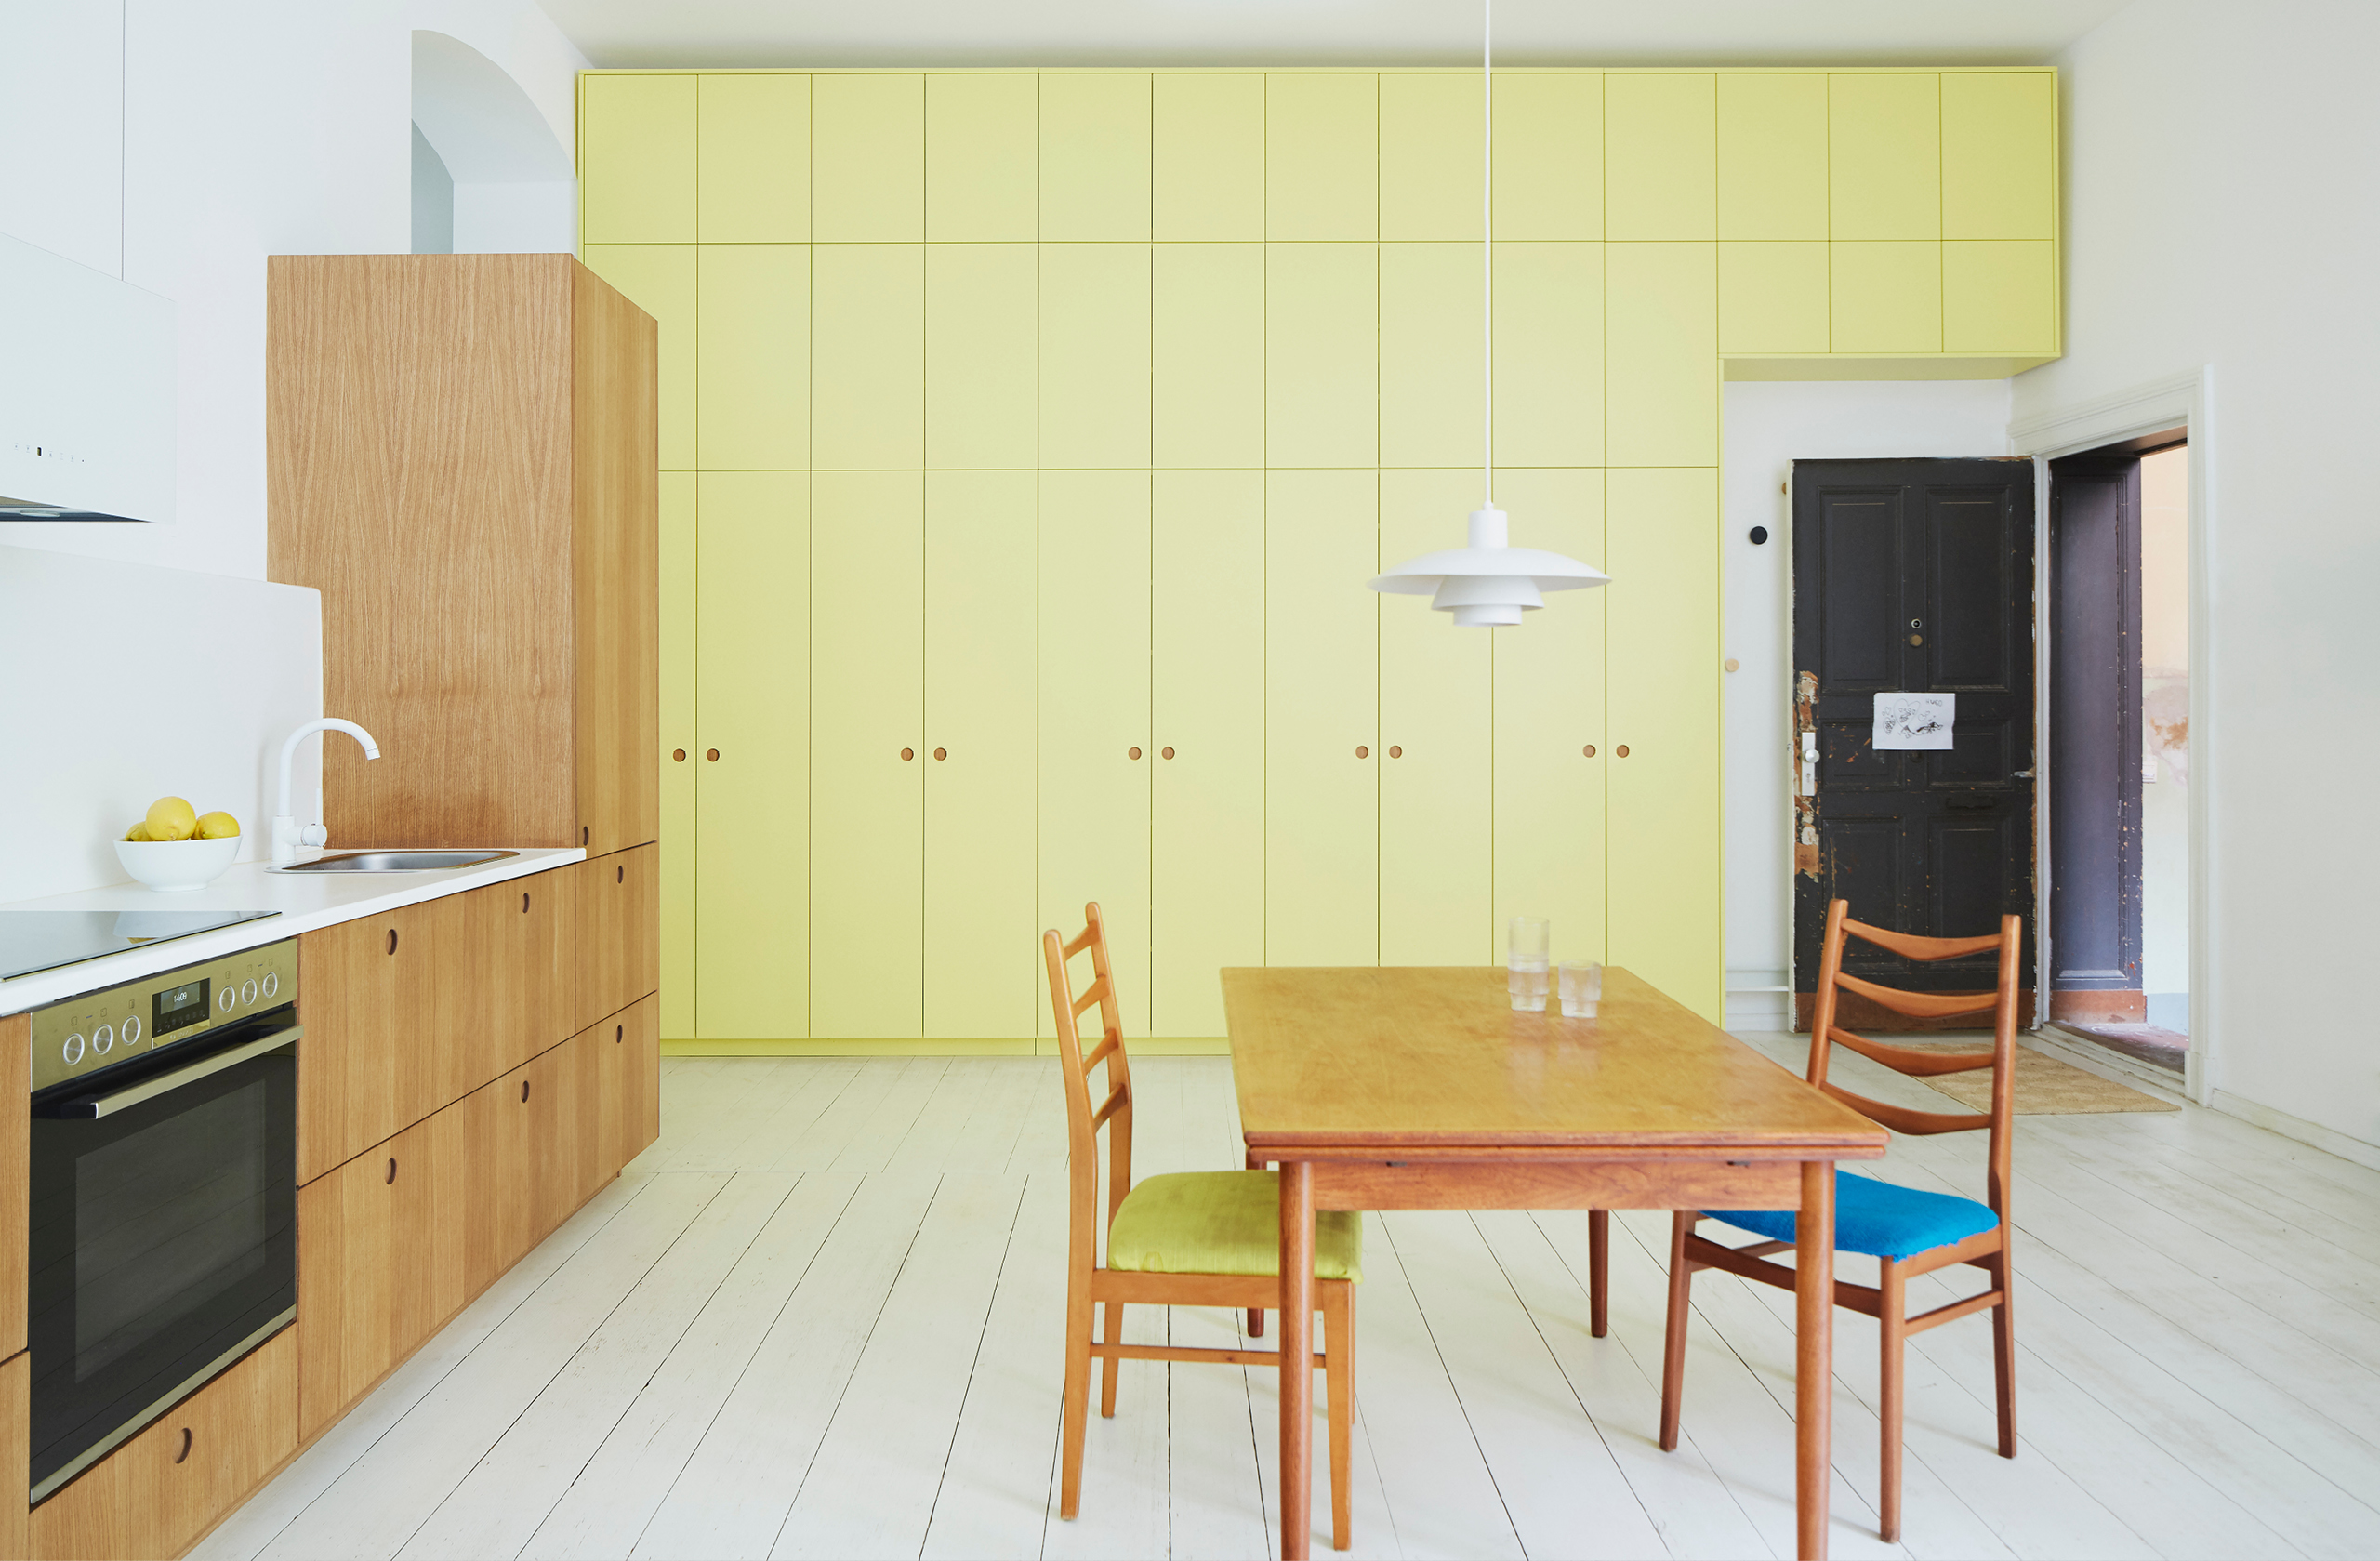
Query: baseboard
point(1142, 1046)
point(2114, 1066)
point(2272, 1119)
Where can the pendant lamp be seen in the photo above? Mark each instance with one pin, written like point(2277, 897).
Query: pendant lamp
point(1489, 583)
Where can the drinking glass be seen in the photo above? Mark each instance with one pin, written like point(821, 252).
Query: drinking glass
point(1526, 963)
point(1581, 988)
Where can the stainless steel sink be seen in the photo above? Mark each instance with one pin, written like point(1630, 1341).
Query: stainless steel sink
point(397, 860)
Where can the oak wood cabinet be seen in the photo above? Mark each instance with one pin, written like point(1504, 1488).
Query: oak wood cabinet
point(364, 1071)
point(15, 1184)
point(16, 1450)
point(367, 1280)
point(619, 930)
point(628, 1048)
point(504, 988)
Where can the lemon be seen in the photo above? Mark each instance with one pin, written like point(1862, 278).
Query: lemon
point(137, 833)
point(170, 818)
point(217, 826)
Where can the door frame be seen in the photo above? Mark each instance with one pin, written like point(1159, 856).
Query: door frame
point(2184, 400)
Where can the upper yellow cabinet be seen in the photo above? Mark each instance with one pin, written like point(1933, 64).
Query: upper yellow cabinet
point(1884, 156)
point(752, 159)
point(1659, 158)
point(2000, 155)
point(1549, 155)
point(867, 159)
point(1772, 156)
point(1094, 158)
point(982, 145)
point(1429, 156)
point(636, 159)
point(1321, 157)
point(1207, 158)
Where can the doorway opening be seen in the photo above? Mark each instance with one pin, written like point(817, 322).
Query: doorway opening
point(2118, 750)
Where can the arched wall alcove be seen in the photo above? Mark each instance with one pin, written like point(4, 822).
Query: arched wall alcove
point(513, 188)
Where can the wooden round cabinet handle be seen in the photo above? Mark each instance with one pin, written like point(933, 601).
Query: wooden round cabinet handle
point(1131, 753)
point(186, 1441)
point(711, 754)
point(1362, 751)
point(908, 754)
point(1622, 751)
point(941, 753)
point(677, 754)
point(390, 1180)
point(393, 940)
point(1165, 753)
point(1394, 751)
point(1588, 750)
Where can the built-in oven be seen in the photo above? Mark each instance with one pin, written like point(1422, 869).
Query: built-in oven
point(164, 1207)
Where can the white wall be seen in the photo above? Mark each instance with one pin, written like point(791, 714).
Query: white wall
point(2221, 163)
point(1770, 426)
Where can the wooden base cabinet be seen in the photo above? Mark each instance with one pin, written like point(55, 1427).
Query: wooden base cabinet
point(627, 1053)
point(15, 1452)
point(619, 930)
point(503, 986)
point(367, 1271)
point(364, 1071)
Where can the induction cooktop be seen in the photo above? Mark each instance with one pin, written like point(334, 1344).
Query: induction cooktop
point(43, 940)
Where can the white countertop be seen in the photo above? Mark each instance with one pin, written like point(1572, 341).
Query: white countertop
point(306, 901)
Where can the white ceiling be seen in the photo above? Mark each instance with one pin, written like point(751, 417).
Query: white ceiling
point(627, 32)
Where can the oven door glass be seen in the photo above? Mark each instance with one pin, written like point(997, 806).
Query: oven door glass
point(165, 1246)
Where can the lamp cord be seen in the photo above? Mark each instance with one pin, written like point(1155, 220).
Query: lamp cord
point(1487, 249)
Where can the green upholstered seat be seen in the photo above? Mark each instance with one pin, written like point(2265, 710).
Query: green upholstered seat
point(1223, 1222)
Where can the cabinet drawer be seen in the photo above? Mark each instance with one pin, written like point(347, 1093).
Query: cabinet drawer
point(364, 1069)
point(159, 1491)
point(504, 978)
point(628, 1056)
point(618, 932)
point(16, 1144)
point(16, 1450)
point(366, 1271)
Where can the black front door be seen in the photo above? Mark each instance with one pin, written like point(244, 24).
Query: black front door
point(1912, 576)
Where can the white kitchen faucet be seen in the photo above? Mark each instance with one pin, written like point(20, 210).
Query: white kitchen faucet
point(287, 834)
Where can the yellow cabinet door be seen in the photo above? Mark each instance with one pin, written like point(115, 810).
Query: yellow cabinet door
point(1207, 719)
point(981, 151)
point(1772, 155)
point(981, 354)
point(867, 775)
point(1321, 347)
point(1885, 156)
point(1999, 297)
point(1549, 156)
point(1094, 355)
point(1660, 354)
point(867, 150)
point(2000, 154)
point(753, 157)
point(1207, 354)
point(1321, 160)
point(868, 368)
point(1321, 703)
point(982, 978)
point(680, 754)
point(1549, 712)
point(1094, 158)
point(752, 378)
point(1430, 355)
point(1665, 830)
point(1094, 719)
point(636, 159)
point(1661, 157)
point(1436, 731)
point(752, 825)
point(1549, 354)
point(1430, 167)
point(1886, 295)
point(659, 279)
point(1773, 297)
point(1207, 157)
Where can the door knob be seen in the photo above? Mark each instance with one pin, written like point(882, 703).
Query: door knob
point(941, 753)
point(1165, 753)
point(1132, 753)
point(1363, 752)
point(1622, 751)
point(908, 754)
point(1394, 751)
point(711, 754)
point(1588, 750)
point(679, 755)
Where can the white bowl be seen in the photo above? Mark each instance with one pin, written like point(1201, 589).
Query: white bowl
point(178, 864)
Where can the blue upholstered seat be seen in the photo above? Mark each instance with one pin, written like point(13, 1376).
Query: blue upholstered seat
point(1876, 1218)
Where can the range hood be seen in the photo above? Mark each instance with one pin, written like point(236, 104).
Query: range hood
point(87, 393)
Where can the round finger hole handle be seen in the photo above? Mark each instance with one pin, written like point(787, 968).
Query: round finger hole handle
point(393, 940)
point(186, 1444)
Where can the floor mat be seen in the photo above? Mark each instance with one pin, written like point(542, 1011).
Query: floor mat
point(2143, 1043)
point(2045, 1087)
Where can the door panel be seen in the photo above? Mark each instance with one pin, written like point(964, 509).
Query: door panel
point(1207, 354)
point(1321, 350)
point(503, 990)
point(752, 166)
point(638, 160)
point(1094, 355)
point(1094, 158)
point(1661, 157)
point(1207, 158)
point(1772, 156)
point(867, 356)
point(982, 145)
point(866, 804)
point(1885, 156)
point(1321, 164)
point(752, 390)
point(1429, 157)
point(1549, 355)
point(362, 1076)
point(365, 1272)
point(1429, 357)
point(1549, 156)
point(1661, 343)
point(867, 159)
point(680, 729)
point(981, 356)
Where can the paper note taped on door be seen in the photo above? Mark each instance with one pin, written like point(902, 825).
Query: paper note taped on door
point(1915, 721)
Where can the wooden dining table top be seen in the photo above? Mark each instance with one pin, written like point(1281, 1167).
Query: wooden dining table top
point(1434, 1058)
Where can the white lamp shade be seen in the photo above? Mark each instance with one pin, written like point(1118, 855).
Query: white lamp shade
point(1487, 585)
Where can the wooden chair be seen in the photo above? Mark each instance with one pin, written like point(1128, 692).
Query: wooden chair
point(1199, 1238)
point(1908, 1231)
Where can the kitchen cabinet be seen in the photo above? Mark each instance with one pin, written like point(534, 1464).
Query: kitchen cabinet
point(1094, 142)
point(628, 1086)
point(368, 1289)
point(751, 175)
point(1094, 363)
point(637, 135)
point(1884, 156)
point(15, 1147)
point(1661, 344)
point(618, 930)
point(16, 1450)
point(504, 978)
point(867, 158)
point(1660, 156)
point(462, 456)
point(982, 143)
point(1321, 157)
point(366, 1068)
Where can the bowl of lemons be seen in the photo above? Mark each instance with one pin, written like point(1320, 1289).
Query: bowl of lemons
point(176, 847)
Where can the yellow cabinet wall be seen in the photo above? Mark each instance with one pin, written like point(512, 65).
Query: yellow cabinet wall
point(1029, 437)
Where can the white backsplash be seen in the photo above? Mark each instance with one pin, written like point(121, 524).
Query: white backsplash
point(124, 683)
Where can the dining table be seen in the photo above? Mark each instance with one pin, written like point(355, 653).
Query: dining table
point(1410, 1087)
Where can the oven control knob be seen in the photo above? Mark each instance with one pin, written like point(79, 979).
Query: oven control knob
point(130, 1031)
point(271, 982)
point(102, 1038)
point(248, 994)
point(225, 999)
point(72, 1050)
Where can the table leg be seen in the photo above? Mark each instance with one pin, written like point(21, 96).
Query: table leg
point(1814, 1353)
point(1297, 1357)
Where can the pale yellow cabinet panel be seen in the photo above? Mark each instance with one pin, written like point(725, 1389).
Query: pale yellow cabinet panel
point(867, 159)
point(1094, 158)
point(1549, 354)
point(1207, 158)
point(679, 756)
point(1773, 297)
point(1661, 157)
point(1321, 396)
point(1321, 694)
point(1207, 719)
point(1437, 731)
point(752, 385)
point(1887, 297)
point(1549, 155)
point(982, 148)
point(636, 159)
point(1094, 355)
point(752, 836)
point(1321, 162)
point(1999, 297)
point(753, 158)
point(1094, 719)
point(659, 279)
point(1430, 165)
point(1660, 354)
point(981, 354)
point(981, 978)
point(867, 724)
point(1430, 363)
point(1207, 354)
point(1885, 157)
point(1665, 827)
point(1998, 155)
point(867, 356)
point(1549, 706)
point(1772, 156)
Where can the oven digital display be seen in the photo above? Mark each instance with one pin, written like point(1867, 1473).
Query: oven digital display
point(179, 1009)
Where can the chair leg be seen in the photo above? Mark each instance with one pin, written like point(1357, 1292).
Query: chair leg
point(1077, 1399)
point(1338, 1382)
point(2002, 1273)
point(1673, 1342)
point(1255, 1314)
point(1112, 1368)
point(1598, 1272)
point(1892, 1315)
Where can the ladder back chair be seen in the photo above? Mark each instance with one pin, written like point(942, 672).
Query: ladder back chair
point(1909, 1231)
point(1196, 1238)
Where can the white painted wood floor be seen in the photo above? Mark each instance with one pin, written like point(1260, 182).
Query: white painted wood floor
point(822, 1317)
